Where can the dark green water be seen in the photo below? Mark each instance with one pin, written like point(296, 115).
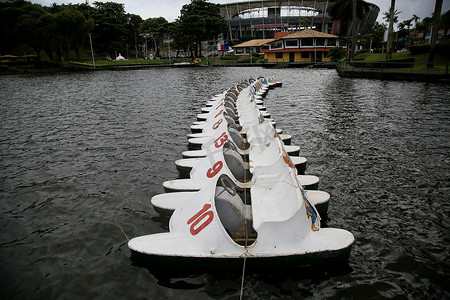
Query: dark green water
point(79, 151)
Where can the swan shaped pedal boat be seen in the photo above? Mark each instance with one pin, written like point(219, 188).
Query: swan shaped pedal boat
point(230, 162)
point(185, 165)
point(166, 203)
point(277, 227)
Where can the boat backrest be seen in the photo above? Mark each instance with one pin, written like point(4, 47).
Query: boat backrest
point(231, 113)
point(238, 139)
point(232, 123)
point(236, 165)
point(231, 95)
point(230, 103)
point(231, 211)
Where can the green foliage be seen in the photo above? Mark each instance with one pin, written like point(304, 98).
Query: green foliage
point(60, 31)
point(256, 55)
point(336, 53)
point(229, 58)
point(443, 48)
point(418, 49)
point(200, 21)
point(155, 29)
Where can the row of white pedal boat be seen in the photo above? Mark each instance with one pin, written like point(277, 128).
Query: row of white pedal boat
point(244, 197)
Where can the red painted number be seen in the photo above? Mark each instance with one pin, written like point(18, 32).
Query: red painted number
point(217, 124)
point(221, 140)
point(214, 170)
point(219, 113)
point(199, 217)
point(221, 104)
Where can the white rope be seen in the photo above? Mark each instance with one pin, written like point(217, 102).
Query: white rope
point(122, 230)
point(246, 232)
point(242, 281)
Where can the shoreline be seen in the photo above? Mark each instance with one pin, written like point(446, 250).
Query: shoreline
point(395, 75)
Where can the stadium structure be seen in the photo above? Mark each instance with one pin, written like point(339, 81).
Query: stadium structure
point(262, 18)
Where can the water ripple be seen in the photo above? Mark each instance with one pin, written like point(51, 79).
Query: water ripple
point(82, 151)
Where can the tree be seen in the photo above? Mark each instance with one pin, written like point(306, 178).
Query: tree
point(72, 29)
point(134, 29)
point(404, 30)
point(200, 21)
point(436, 17)
point(304, 22)
point(342, 10)
point(180, 41)
point(155, 28)
point(445, 22)
point(390, 30)
point(336, 53)
point(424, 26)
point(387, 15)
point(9, 35)
point(28, 27)
point(110, 31)
point(354, 18)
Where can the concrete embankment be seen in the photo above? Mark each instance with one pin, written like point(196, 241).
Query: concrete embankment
point(427, 75)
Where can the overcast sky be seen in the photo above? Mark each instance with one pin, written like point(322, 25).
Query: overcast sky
point(170, 9)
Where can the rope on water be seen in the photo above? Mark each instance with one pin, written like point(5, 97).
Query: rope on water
point(243, 276)
point(122, 230)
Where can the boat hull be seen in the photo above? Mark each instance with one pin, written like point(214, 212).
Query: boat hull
point(276, 261)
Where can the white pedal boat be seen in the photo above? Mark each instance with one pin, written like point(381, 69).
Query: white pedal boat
point(185, 165)
point(219, 227)
point(166, 203)
point(197, 143)
point(230, 162)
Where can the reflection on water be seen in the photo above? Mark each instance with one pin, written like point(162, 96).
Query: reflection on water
point(79, 151)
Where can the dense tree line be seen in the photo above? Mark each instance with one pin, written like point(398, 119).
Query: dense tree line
point(60, 30)
point(411, 31)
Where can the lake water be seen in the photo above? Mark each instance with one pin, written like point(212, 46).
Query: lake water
point(81, 151)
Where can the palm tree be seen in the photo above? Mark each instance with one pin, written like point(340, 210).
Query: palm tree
point(390, 30)
point(354, 18)
point(423, 26)
point(436, 16)
point(342, 10)
point(445, 22)
point(387, 15)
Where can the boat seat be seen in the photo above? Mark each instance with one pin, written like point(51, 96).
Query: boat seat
point(233, 213)
point(236, 165)
point(229, 103)
point(238, 139)
point(232, 123)
point(231, 113)
point(232, 96)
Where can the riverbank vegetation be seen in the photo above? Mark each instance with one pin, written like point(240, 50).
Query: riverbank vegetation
point(63, 32)
point(38, 38)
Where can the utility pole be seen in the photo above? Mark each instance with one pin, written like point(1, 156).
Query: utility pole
point(92, 49)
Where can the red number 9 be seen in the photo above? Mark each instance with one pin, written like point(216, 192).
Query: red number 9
point(215, 169)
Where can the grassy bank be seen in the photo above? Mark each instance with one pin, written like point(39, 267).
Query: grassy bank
point(420, 60)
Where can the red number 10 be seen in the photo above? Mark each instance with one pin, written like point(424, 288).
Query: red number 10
point(198, 217)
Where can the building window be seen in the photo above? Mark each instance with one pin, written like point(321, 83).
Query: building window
point(331, 42)
point(307, 42)
point(291, 43)
point(320, 42)
point(279, 55)
point(305, 54)
point(276, 45)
